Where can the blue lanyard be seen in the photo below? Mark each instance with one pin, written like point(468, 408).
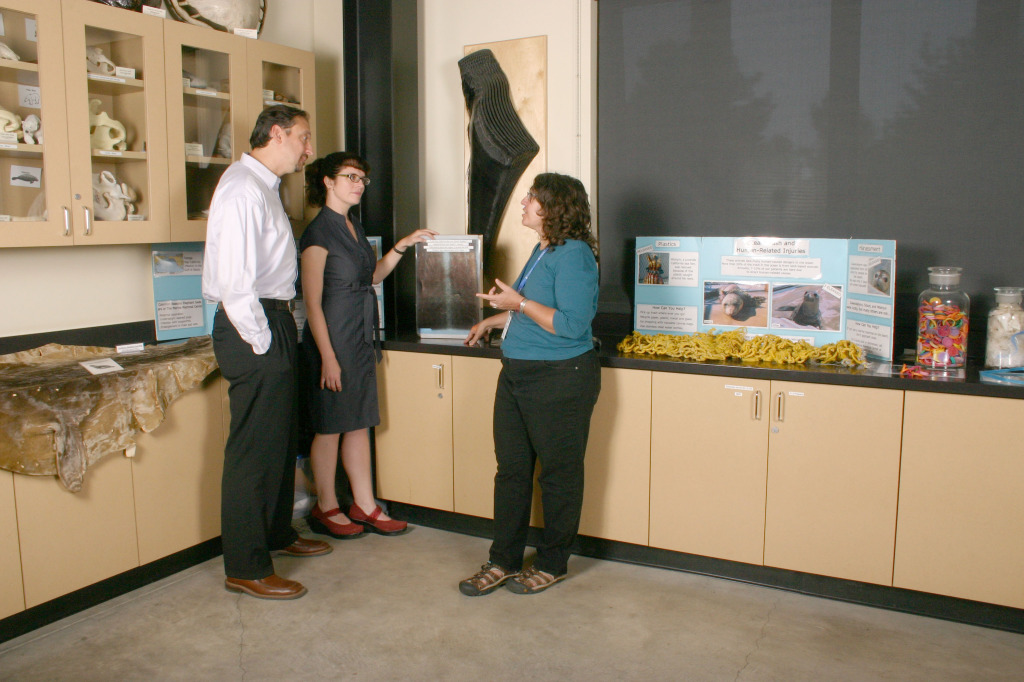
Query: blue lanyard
point(522, 281)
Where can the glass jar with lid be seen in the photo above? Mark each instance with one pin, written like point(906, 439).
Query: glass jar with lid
point(1004, 346)
point(943, 317)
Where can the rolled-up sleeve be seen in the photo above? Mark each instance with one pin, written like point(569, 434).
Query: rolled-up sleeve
point(576, 292)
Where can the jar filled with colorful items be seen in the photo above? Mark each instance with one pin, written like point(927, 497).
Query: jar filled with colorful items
point(943, 312)
point(1004, 346)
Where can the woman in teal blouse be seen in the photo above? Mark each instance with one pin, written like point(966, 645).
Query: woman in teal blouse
point(549, 382)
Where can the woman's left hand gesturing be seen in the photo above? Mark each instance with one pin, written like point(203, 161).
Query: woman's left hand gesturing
point(502, 296)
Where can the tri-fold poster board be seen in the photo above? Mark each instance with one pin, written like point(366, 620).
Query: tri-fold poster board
point(817, 290)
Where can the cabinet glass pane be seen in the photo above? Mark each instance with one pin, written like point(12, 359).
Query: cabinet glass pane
point(282, 84)
point(206, 105)
point(117, 124)
point(22, 163)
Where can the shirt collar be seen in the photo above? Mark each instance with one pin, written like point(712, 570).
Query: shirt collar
point(269, 178)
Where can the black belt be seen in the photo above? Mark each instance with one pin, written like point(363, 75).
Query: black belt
point(276, 304)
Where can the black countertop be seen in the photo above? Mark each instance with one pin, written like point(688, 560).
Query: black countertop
point(874, 375)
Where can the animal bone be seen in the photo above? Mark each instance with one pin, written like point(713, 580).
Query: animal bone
point(97, 62)
point(10, 122)
point(8, 53)
point(112, 200)
point(106, 133)
point(32, 128)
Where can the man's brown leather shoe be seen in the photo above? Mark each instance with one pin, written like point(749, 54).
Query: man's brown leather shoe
point(271, 587)
point(303, 547)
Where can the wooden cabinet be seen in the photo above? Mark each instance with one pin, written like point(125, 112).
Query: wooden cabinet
point(423, 396)
point(58, 206)
point(176, 474)
point(833, 480)
point(34, 212)
point(709, 457)
point(473, 434)
point(961, 507)
point(414, 439)
point(768, 472)
point(278, 74)
point(71, 540)
point(51, 201)
point(12, 594)
point(616, 489)
point(137, 100)
point(207, 122)
point(130, 511)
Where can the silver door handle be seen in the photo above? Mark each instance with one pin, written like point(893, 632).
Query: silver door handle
point(88, 221)
point(440, 376)
point(757, 405)
point(67, 221)
point(780, 412)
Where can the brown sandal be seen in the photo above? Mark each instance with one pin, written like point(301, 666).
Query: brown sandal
point(490, 577)
point(532, 581)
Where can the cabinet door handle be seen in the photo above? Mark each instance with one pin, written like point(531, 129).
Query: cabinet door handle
point(757, 405)
point(88, 221)
point(780, 412)
point(440, 376)
point(67, 221)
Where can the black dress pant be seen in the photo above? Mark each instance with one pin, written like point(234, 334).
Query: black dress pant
point(542, 411)
point(257, 490)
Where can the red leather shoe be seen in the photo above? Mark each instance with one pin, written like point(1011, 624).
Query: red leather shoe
point(374, 523)
point(320, 522)
point(271, 587)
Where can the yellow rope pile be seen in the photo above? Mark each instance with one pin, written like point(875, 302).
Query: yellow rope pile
point(733, 345)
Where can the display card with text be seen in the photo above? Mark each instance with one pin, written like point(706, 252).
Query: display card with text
point(181, 311)
point(817, 290)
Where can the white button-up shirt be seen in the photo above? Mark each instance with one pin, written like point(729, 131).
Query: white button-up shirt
point(250, 249)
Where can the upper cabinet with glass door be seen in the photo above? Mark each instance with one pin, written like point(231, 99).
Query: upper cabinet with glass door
point(284, 75)
point(34, 183)
point(207, 125)
point(117, 134)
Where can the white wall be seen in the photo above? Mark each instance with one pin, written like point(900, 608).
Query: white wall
point(87, 286)
point(446, 26)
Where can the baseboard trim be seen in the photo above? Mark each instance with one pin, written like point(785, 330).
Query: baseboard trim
point(97, 593)
point(867, 594)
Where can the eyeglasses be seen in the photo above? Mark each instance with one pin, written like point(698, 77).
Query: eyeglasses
point(531, 196)
point(357, 178)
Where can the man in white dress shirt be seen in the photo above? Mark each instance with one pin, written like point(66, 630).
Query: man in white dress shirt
point(250, 269)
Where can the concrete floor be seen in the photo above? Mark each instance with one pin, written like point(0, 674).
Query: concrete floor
point(388, 609)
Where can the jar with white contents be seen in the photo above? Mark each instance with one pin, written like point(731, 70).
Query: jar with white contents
point(1004, 346)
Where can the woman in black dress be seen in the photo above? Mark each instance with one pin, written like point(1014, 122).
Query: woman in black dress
point(339, 269)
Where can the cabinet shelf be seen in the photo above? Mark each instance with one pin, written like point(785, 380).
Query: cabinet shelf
point(209, 160)
point(272, 102)
point(114, 156)
point(21, 150)
point(19, 66)
point(204, 92)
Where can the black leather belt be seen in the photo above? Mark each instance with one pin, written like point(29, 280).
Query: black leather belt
point(276, 304)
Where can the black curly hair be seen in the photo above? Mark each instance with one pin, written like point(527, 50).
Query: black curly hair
point(565, 209)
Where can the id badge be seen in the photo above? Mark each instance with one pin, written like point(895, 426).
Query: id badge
point(508, 321)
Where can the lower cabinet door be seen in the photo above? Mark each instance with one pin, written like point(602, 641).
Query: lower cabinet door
point(833, 480)
point(72, 540)
point(616, 490)
point(413, 442)
point(12, 594)
point(961, 517)
point(475, 380)
point(176, 473)
point(709, 449)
